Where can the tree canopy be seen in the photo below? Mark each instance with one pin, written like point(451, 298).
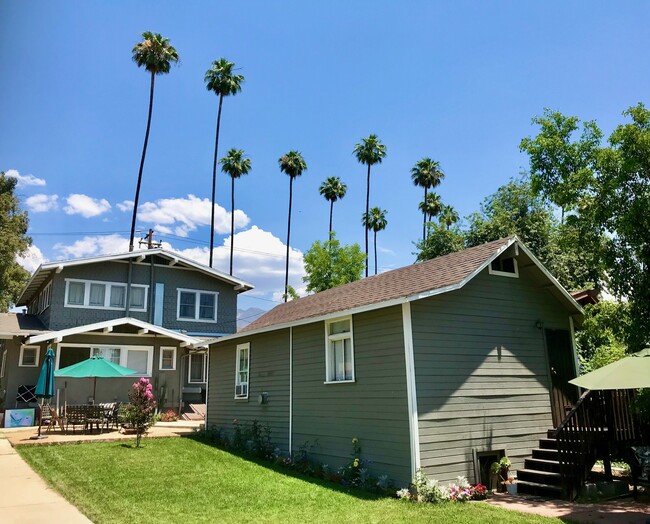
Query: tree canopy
point(329, 264)
point(13, 229)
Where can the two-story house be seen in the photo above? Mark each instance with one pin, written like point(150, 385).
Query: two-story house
point(146, 310)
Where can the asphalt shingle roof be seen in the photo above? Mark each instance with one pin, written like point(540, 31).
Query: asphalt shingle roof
point(19, 324)
point(403, 282)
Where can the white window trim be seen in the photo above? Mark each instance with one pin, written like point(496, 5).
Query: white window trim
point(3, 363)
point(36, 360)
point(247, 348)
point(107, 295)
point(197, 301)
point(505, 273)
point(124, 349)
point(189, 369)
point(160, 364)
point(338, 336)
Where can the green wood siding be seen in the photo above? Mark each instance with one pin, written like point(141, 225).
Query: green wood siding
point(373, 408)
point(481, 372)
point(268, 372)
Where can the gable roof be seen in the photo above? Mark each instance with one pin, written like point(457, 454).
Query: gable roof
point(428, 278)
point(185, 340)
point(45, 271)
point(13, 324)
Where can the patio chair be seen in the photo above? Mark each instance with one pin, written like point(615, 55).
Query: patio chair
point(110, 414)
point(95, 415)
point(75, 416)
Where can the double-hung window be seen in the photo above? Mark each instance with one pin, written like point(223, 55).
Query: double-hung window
point(167, 358)
point(242, 371)
point(111, 354)
point(197, 371)
point(339, 351)
point(196, 305)
point(104, 295)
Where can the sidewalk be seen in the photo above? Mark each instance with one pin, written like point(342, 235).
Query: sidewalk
point(25, 498)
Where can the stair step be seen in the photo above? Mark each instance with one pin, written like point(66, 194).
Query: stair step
point(550, 476)
point(545, 454)
point(539, 464)
point(548, 443)
point(538, 488)
point(551, 433)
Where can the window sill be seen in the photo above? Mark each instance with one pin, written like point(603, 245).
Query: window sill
point(340, 381)
point(201, 320)
point(27, 365)
point(242, 398)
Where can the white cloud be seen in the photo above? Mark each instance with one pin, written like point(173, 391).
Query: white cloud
point(183, 215)
point(24, 180)
point(31, 259)
point(86, 206)
point(259, 258)
point(42, 203)
point(94, 245)
point(126, 205)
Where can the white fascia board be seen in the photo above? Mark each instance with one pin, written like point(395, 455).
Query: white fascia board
point(55, 335)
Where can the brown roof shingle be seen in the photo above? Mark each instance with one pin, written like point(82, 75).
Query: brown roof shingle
point(403, 282)
point(20, 324)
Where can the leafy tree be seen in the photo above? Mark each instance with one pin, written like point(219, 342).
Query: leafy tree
point(234, 164)
point(369, 151)
point(293, 164)
point(328, 264)
point(221, 80)
point(562, 166)
point(514, 210)
point(440, 240)
point(621, 206)
point(431, 206)
point(155, 54)
point(448, 216)
point(375, 219)
point(603, 333)
point(426, 174)
point(332, 189)
point(13, 229)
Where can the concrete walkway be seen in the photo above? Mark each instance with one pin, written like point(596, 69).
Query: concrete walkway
point(25, 498)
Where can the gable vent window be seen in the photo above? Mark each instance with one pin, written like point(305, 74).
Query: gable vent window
point(505, 267)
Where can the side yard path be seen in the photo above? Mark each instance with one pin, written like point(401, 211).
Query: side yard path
point(25, 498)
point(180, 480)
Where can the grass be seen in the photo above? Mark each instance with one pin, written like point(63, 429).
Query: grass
point(182, 480)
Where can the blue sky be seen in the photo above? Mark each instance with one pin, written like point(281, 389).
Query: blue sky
point(456, 81)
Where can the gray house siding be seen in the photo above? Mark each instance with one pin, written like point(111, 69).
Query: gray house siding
point(268, 372)
point(57, 316)
point(373, 409)
point(14, 374)
point(481, 372)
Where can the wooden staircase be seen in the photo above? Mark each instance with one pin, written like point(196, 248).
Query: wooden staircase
point(541, 473)
point(599, 423)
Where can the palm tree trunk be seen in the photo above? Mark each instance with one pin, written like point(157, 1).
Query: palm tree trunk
point(214, 178)
point(424, 220)
point(375, 242)
point(331, 211)
point(286, 272)
point(367, 208)
point(144, 154)
point(232, 221)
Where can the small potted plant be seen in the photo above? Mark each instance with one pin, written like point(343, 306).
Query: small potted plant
point(500, 470)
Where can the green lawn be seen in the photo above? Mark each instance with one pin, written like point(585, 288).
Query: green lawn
point(185, 481)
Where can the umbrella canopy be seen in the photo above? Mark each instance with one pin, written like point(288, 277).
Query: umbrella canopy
point(45, 384)
point(631, 372)
point(95, 366)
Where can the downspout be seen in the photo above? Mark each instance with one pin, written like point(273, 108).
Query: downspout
point(151, 279)
point(207, 386)
point(290, 390)
point(180, 384)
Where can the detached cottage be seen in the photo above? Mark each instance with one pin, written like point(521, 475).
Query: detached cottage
point(444, 365)
point(147, 310)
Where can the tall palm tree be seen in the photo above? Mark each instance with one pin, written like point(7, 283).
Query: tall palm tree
point(220, 80)
point(332, 189)
point(431, 206)
point(426, 173)
point(155, 54)
point(448, 216)
point(375, 219)
point(369, 151)
point(293, 164)
point(234, 164)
